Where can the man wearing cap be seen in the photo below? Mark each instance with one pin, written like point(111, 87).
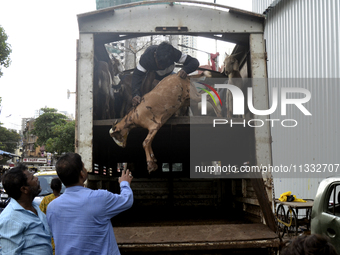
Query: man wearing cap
point(161, 59)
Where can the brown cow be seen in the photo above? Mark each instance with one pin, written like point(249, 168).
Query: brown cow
point(156, 107)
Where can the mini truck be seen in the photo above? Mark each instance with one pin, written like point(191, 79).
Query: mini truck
point(173, 213)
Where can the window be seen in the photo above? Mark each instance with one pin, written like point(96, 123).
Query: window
point(175, 167)
point(165, 167)
point(333, 205)
point(45, 184)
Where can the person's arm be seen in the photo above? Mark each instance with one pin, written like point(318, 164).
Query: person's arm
point(190, 64)
point(50, 217)
point(11, 237)
point(115, 203)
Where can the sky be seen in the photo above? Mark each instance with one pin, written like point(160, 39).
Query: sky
point(43, 35)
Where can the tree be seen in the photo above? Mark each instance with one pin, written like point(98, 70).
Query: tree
point(5, 50)
point(43, 125)
point(63, 140)
point(9, 140)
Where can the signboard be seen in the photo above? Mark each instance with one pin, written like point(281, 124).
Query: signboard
point(49, 158)
point(34, 160)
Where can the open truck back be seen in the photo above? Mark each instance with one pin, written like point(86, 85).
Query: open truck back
point(173, 213)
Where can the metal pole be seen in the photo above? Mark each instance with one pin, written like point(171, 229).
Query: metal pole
point(182, 45)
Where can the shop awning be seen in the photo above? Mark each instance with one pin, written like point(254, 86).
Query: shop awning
point(8, 154)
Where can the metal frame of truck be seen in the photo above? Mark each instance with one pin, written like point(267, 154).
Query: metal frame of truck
point(167, 18)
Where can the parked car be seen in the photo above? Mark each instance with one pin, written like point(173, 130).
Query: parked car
point(326, 211)
point(45, 179)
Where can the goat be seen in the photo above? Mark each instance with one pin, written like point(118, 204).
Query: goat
point(121, 88)
point(123, 92)
point(123, 97)
point(231, 69)
point(156, 107)
point(102, 90)
point(116, 68)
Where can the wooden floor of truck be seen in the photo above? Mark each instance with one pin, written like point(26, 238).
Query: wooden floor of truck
point(195, 237)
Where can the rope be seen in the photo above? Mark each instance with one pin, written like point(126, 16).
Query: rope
point(284, 223)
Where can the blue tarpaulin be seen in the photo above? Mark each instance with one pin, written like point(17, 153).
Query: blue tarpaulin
point(8, 154)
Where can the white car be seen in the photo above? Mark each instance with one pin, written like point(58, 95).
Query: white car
point(45, 179)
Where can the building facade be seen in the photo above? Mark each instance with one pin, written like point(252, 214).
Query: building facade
point(30, 151)
point(33, 154)
point(191, 45)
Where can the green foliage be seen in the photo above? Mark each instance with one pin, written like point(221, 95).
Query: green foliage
point(9, 140)
point(63, 140)
point(5, 50)
point(44, 124)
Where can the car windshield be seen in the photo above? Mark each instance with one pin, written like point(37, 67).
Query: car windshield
point(45, 184)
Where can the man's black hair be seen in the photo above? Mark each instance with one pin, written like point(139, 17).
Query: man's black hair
point(69, 167)
point(56, 184)
point(309, 244)
point(164, 54)
point(13, 180)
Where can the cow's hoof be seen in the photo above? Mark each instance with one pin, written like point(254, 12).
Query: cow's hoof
point(152, 166)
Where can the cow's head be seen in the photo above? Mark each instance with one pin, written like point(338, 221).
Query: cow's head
point(119, 135)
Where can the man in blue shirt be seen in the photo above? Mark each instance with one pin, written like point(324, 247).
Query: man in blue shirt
point(23, 227)
point(80, 219)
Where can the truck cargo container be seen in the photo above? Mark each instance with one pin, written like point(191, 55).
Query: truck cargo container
point(173, 213)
